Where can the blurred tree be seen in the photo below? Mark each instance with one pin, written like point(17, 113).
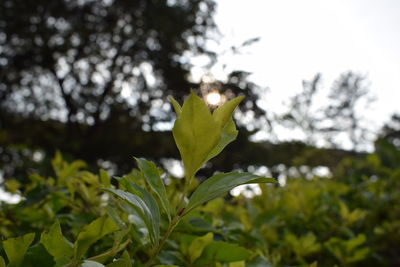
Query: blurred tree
point(90, 78)
point(74, 60)
point(333, 119)
point(391, 131)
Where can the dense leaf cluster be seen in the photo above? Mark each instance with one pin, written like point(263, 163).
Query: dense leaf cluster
point(77, 217)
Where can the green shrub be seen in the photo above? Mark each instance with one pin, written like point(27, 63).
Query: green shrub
point(79, 218)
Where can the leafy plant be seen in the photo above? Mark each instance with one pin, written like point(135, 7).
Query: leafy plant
point(142, 198)
point(200, 135)
point(147, 217)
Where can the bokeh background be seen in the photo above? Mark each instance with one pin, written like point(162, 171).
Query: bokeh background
point(91, 78)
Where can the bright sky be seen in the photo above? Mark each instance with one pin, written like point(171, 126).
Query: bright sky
point(302, 38)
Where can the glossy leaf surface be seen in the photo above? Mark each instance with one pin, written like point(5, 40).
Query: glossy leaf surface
point(153, 178)
point(222, 183)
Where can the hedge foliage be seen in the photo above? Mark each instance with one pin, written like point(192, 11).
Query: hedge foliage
point(147, 217)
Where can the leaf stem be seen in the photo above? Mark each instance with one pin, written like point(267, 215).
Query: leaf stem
point(172, 224)
point(157, 250)
point(185, 191)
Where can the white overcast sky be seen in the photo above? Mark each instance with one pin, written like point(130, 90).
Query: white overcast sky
point(302, 38)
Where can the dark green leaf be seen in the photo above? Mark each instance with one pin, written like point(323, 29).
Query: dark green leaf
point(220, 184)
point(37, 255)
point(154, 210)
point(222, 252)
point(127, 259)
point(153, 178)
point(143, 210)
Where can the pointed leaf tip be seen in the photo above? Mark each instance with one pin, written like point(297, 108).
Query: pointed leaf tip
point(224, 112)
point(175, 105)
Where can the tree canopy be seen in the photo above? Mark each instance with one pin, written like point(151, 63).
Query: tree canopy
point(81, 76)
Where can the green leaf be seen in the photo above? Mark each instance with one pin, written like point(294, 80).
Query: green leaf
point(153, 178)
point(127, 258)
point(196, 134)
point(220, 184)
point(112, 211)
point(201, 135)
point(237, 264)
point(93, 232)
point(154, 210)
point(2, 262)
point(116, 248)
point(228, 135)
point(37, 255)
point(198, 244)
point(55, 243)
point(224, 252)
point(175, 104)
point(359, 255)
point(355, 242)
point(16, 248)
point(125, 261)
point(105, 178)
point(304, 245)
point(153, 224)
point(224, 112)
point(143, 210)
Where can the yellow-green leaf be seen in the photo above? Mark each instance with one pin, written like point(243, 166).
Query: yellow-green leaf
point(198, 244)
point(2, 262)
point(104, 178)
point(228, 134)
point(93, 232)
point(55, 243)
point(224, 112)
point(237, 264)
point(196, 133)
point(175, 104)
point(225, 252)
point(16, 248)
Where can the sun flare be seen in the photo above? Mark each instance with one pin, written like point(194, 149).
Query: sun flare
point(214, 98)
